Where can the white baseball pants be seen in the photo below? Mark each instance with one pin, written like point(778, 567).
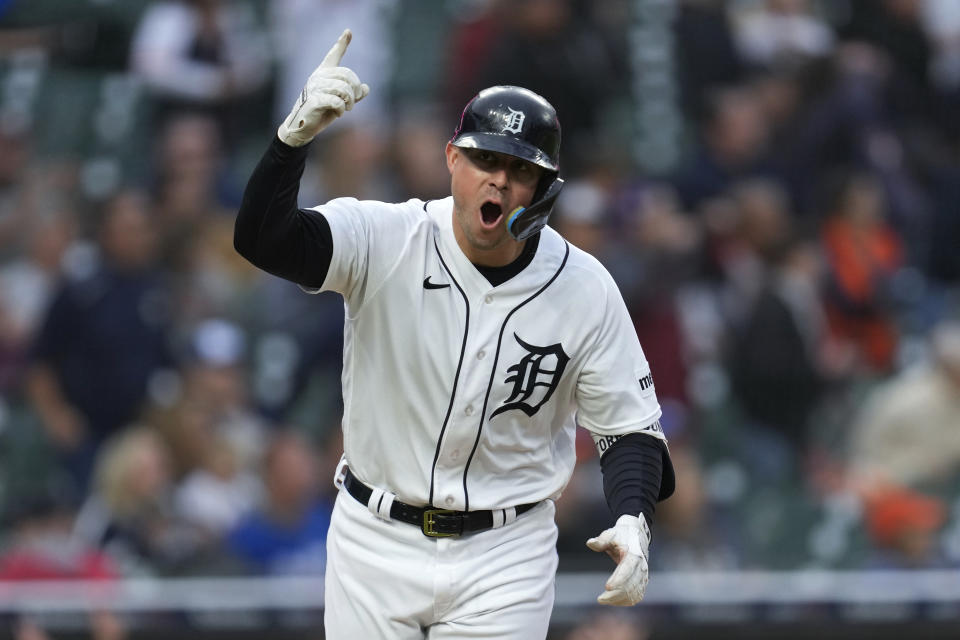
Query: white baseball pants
point(385, 579)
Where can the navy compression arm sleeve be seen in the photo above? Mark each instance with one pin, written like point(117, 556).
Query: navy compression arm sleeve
point(271, 231)
point(632, 471)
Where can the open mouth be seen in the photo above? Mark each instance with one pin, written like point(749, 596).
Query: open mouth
point(490, 213)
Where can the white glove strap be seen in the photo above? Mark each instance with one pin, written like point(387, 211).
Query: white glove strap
point(644, 539)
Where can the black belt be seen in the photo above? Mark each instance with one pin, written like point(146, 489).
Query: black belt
point(435, 523)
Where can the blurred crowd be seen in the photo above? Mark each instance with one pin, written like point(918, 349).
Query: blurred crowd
point(791, 263)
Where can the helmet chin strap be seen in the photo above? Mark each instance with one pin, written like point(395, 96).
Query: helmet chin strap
point(524, 222)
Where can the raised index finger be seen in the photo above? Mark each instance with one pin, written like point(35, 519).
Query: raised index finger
point(332, 59)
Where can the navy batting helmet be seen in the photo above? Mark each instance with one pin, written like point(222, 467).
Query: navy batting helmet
point(520, 123)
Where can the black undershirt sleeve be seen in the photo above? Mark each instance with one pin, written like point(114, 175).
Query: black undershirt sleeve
point(637, 473)
point(271, 231)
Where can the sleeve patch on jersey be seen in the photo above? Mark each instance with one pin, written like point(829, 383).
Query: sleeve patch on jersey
point(646, 384)
point(605, 442)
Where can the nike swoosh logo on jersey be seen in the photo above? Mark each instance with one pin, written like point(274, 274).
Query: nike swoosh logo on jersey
point(430, 285)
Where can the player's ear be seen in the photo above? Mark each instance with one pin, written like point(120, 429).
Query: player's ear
point(453, 154)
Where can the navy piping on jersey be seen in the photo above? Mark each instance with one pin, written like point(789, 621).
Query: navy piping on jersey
point(493, 372)
point(456, 378)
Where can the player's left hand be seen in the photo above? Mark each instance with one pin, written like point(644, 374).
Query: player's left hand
point(627, 542)
point(330, 91)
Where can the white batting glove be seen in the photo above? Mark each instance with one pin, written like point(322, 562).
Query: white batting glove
point(330, 91)
point(627, 543)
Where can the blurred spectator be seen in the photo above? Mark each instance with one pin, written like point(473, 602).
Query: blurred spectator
point(904, 526)
point(103, 339)
point(555, 48)
point(778, 327)
point(941, 22)
point(15, 153)
point(41, 544)
point(28, 282)
point(944, 232)
point(747, 244)
point(863, 254)
point(299, 352)
point(219, 437)
point(474, 35)
point(896, 28)
point(211, 280)
point(194, 198)
point(208, 408)
point(190, 180)
point(420, 170)
point(216, 380)
point(348, 160)
point(776, 366)
point(583, 216)
point(186, 428)
point(908, 432)
point(708, 57)
point(782, 96)
point(26, 287)
point(288, 533)
point(220, 492)
point(774, 34)
point(734, 138)
point(654, 255)
point(847, 123)
point(201, 54)
point(130, 514)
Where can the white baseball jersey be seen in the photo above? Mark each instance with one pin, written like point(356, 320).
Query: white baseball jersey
point(464, 395)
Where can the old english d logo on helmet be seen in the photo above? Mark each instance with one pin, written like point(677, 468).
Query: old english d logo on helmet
point(517, 122)
point(514, 121)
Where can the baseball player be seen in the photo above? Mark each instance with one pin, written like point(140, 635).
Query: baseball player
point(476, 338)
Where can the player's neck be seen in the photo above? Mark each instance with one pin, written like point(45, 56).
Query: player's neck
point(500, 255)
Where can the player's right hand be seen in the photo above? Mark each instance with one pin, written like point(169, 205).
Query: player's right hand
point(330, 91)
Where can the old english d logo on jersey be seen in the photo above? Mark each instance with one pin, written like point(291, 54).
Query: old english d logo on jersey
point(514, 121)
point(534, 378)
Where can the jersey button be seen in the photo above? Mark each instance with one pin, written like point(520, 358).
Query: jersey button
point(488, 299)
point(481, 354)
point(455, 454)
point(448, 500)
point(469, 410)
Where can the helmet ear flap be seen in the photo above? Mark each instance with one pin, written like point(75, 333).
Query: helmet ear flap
point(524, 222)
